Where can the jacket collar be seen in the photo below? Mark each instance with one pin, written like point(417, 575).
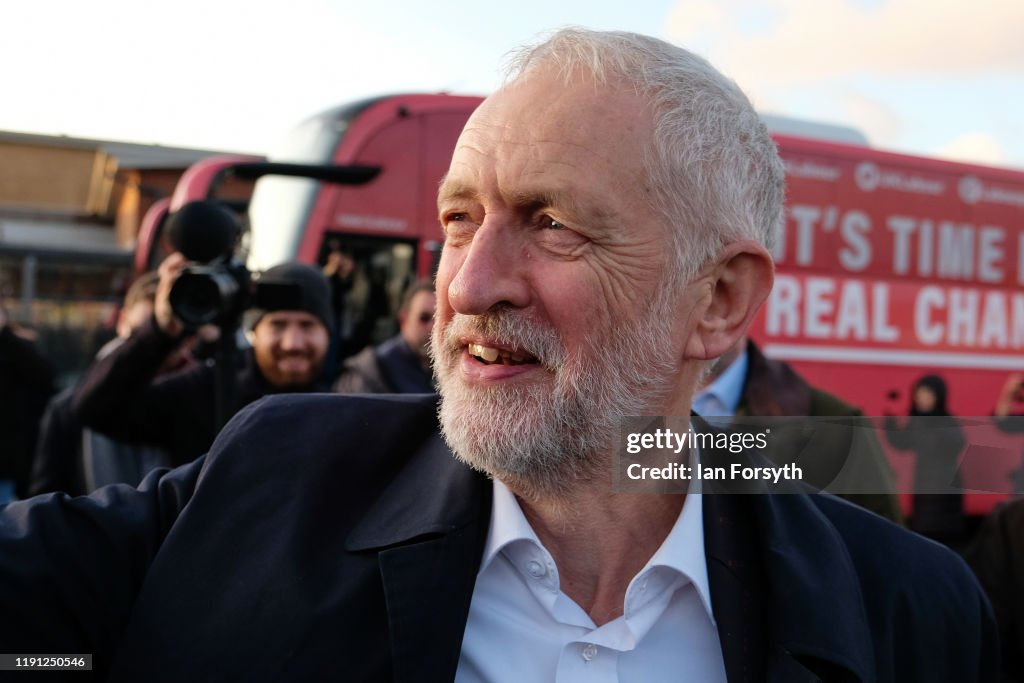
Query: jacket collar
point(810, 573)
point(434, 494)
point(429, 529)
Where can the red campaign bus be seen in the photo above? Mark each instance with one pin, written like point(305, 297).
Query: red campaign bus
point(890, 266)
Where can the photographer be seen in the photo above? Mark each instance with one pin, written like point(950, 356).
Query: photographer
point(77, 461)
point(119, 397)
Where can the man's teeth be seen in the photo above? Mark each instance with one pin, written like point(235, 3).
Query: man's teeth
point(489, 354)
point(484, 352)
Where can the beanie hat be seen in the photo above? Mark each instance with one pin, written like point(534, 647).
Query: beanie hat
point(314, 293)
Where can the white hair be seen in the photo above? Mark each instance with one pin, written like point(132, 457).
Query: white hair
point(715, 174)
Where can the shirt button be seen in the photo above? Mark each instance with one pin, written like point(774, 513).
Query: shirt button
point(536, 569)
point(589, 652)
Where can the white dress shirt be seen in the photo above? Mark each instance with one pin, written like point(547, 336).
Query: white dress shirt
point(522, 627)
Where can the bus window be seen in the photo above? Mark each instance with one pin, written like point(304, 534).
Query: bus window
point(368, 276)
point(281, 206)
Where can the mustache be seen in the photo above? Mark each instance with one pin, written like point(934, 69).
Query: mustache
point(295, 354)
point(504, 326)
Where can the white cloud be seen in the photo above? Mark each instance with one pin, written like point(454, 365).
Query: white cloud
point(974, 147)
point(809, 41)
point(819, 59)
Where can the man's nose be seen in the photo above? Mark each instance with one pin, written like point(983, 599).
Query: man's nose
point(490, 271)
point(292, 338)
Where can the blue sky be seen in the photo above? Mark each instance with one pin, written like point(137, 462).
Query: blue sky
point(921, 76)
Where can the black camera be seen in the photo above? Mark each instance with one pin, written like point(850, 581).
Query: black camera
point(214, 293)
point(216, 288)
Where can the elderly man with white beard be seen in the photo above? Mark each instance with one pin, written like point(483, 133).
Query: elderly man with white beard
point(608, 215)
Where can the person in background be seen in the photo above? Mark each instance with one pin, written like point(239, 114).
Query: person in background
point(1011, 401)
point(340, 268)
point(400, 365)
point(996, 554)
point(744, 383)
point(26, 385)
point(1009, 418)
point(78, 460)
point(936, 439)
point(121, 396)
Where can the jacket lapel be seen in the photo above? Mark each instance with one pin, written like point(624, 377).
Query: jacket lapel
point(817, 609)
point(737, 587)
point(784, 592)
point(429, 529)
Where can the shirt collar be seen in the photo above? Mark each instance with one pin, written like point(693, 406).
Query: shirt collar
point(508, 524)
point(681, 551)
point(727, 388)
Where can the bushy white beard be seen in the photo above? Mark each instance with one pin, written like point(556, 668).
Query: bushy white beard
point(544, 439)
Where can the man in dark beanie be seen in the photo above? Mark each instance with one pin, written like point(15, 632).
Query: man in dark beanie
point(283, 361)
point(121, 397)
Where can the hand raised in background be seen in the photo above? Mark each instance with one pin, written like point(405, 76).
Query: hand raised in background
point(1012, 393)
point(169, 271)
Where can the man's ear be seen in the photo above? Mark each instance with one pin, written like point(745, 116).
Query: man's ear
point(736, 286)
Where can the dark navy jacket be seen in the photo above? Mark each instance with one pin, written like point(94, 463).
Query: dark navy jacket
point(336, 538)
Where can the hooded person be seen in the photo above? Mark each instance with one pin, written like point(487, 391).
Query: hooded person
point(936, 439)
point(121, 397)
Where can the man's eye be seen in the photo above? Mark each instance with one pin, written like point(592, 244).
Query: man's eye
point(454, 222)
point(549, 223)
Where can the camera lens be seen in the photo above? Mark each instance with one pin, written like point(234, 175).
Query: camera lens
point(201, 296)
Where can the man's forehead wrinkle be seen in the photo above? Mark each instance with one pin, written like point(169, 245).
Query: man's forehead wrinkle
point(492, 125)
point(525, 198)
point(524, 194)
point(530, 151)
point(455, 185)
